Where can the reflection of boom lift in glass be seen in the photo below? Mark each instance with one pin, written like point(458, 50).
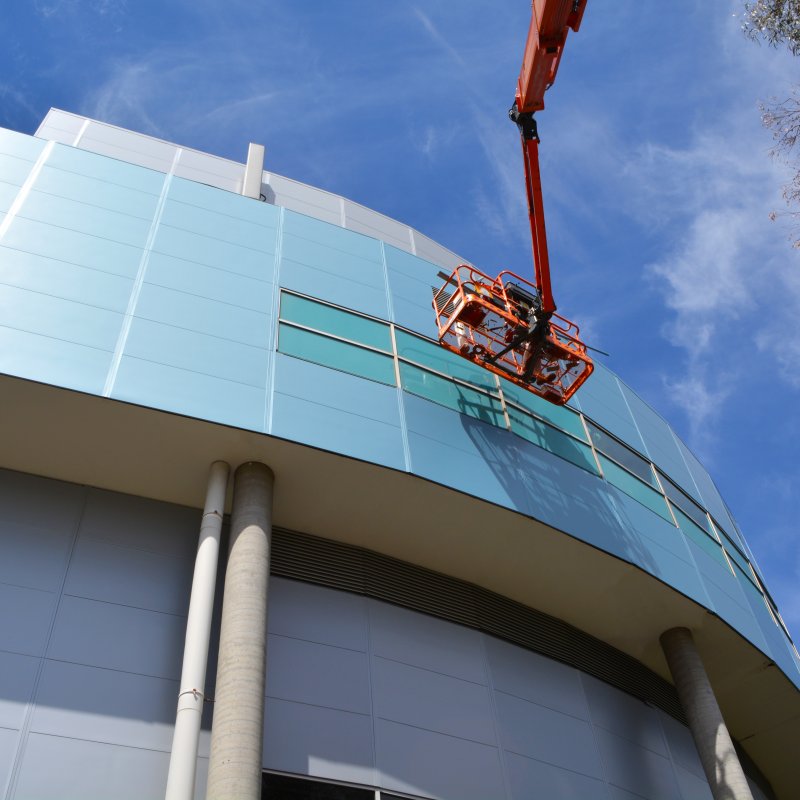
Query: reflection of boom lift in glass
point(507, 324)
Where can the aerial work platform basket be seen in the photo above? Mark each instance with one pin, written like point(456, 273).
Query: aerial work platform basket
point(498, 323)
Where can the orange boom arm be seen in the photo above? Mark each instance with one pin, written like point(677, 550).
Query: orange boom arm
point(508, 325)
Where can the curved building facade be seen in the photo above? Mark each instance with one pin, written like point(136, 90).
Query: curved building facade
point(468, 585)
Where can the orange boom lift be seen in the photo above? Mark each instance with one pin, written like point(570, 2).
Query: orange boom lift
point(508, 324)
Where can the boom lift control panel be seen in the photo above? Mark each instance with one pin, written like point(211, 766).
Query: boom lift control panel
point(507, 324)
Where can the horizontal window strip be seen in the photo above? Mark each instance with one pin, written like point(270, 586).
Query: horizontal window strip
point(452, 395)
point(327, 352)
point(614, 449)
point(341, 323)
point(700, 537)
point(560, 416)
point(684, 502)
point(431, 354)
point(551, 439)
point(746, 579)
point(635, 488)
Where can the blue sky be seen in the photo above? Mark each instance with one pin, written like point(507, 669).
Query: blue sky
point(657, 177)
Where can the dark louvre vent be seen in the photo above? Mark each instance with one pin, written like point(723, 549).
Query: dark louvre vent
point(353, 569)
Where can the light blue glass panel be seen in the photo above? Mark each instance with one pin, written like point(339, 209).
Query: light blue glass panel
point(325, 318)
point(433, 355)
point(77, 248)
point(61, 279)
point(737, 557)
point(222, 202)
point(14, 170)
point(601, 399)
point(747, 582)
point(8, 193)
point(453, 395)
point(54, 361)
point(95, 192)
point(106, 169)
point(86, 219)
point(60, 319)
point(211, 282)
point(699, 536)
point(635, 488)
point(337, 411)
point(547, 437)
point(190, 393)
point(335, 354)
point(311, 241)
point(20, 145)
point(203, 315)
point(197, 352)
point(560, 416)
point(219, 226)
point(213, 252)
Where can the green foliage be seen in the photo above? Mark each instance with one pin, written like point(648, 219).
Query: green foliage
point(777, 22)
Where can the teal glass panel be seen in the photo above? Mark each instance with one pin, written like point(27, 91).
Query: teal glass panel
point(333, 320)
point(613, 448)
point(433, 355)
point(699, 536)
point(684, 502)
point(548, 438)
point(335, 354)
point(635, 488)
point(452, 395)
point(560, 416)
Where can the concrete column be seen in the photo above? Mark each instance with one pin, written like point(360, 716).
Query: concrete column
point(234, 770)
point(183, 758)
point(711, 737)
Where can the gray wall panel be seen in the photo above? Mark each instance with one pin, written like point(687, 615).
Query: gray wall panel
point(126, 575)
point(529, 779)
point(137, 522)
point(33, 557)
point(318, 741)
point(692, 787)
point(317, 614)
point(17, 675)
point(636, 769)
point(431, 764)
point(118, 637)
point(40, 502)
point(25, 616)
point(318, 674)
point(72, 769)
point(422, 641)
point(681, 745)
point(429, 700)
point(8, 748)
point(624, 715)
point(546, 735)
point(105, 705)
point(533, 677)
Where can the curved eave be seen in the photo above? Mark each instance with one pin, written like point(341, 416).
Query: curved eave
point(82, 438)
